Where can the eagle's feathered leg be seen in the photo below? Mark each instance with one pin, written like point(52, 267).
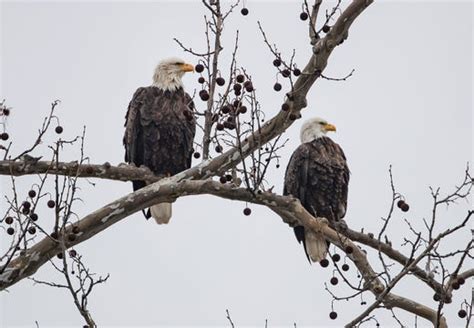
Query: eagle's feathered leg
point(138, 184)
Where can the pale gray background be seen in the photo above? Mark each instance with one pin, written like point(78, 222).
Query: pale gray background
point(408, 104)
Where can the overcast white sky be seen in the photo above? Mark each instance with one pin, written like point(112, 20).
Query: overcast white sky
point(408, 104)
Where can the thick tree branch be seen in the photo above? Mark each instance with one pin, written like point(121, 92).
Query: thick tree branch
point(102, 171)
point(169, 189)
point(129, 173)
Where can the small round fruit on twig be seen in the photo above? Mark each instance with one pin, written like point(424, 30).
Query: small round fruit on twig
point(405, 207)
point(4, 136)
point(199, 68)
point(220, 81)
point(324, 263)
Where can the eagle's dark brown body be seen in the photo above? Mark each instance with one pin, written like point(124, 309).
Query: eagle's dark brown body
point(318, 176)
point(157, 132)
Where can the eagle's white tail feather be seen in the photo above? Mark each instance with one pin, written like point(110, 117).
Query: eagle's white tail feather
point(161, 212)
point(316, 246)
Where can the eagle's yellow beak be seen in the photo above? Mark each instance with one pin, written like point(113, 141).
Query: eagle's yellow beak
point(187, 68)
point(329, 127)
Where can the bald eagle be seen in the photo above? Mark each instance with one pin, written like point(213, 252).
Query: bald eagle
point(318, 176)
point(160, 128)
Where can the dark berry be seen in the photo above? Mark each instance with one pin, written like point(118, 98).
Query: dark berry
point(326, 28)
point(405, 207)
point(229, 125)
point(303, 16)
point(237, 103)
point(204, 95)
point(228, 177)
point(333, 315)
point(218, 149)
point(199, 68)
point(349, 249)
point(456, 285)
point(75, 229)
point(324, 263)
point(6, 111)
point(8, 220)
point(237, 87)
point(244, 11)
point(336, 257)
point(51, 203)
point(277, 86)
point(4, 136)
point(201, 80)
point(400, 203)
point(72, 253)
point(243, 109)
point(371, 235)
point(220, 81)
point(10, 231)
point(461, 280)
point(276, 62)
point(462, 313)
point(285, 72)
point(436, 297)
point(196, 155)
point(345, 267)
point(25, 210)
point(292, 116)
point(296, 72)
point(32, 230)
point(107, 165)
point(34, 217)
point(26, 204)
point(334, 281)
point(220, 126)
point(285, 107)
point(59, 255)
point(240, 78)
point(223, 179)
point(248, 87)
point(71, 237)
point(59, 129)
point(247, 211)
point(225, 109)
point(32, 193)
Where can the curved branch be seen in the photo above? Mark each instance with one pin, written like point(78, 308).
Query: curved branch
point(130, 172)
point(168, 189)
point(122, 172)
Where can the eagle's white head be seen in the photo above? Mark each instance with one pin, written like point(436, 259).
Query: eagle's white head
point(315, 128)
point(168, 73)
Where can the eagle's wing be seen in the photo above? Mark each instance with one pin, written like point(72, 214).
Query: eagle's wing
point(189, 131)
point(133, 138)
point(296, 179)
point(343, 182)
